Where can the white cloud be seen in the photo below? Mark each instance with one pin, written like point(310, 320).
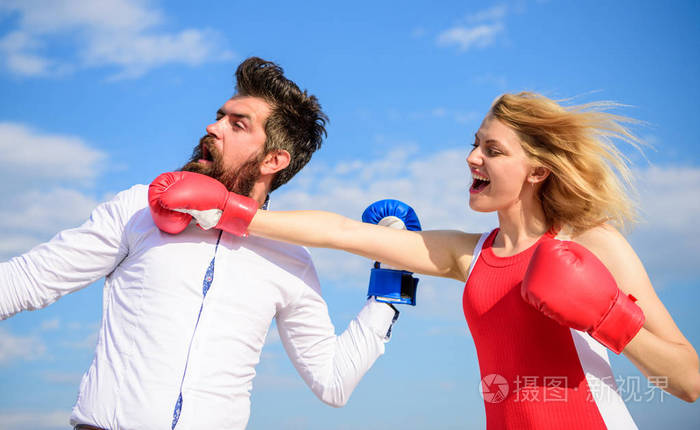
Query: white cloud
point(26, 64)
point(52, 324)
point(480, 30)
point(29, 154)
point(39, 420)
point(465, 38)
point(47, 16)
point(45, 211)
point(136, 54)
point(12, 244)
point(120, 33)
point(668, 237)
point(670, 197)
point(14, 347)
point(17, 47)
point(436, 187)
point(90, 325)
point(494, 13)
point(88, 342)
point(38, 185)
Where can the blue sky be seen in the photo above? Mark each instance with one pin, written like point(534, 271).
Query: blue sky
point(98, 96)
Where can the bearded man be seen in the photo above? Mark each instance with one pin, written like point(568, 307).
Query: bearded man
point(185, 315)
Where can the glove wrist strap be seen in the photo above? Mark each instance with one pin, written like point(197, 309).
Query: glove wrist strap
point(238, 213)
point(392, 286)
point(622, 322)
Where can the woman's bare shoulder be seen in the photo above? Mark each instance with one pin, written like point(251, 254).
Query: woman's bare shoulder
point(462, 241)
point(603, 239)
point(611, 247)
point(463, 245)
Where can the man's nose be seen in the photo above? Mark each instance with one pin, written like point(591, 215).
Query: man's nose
point(213, 129)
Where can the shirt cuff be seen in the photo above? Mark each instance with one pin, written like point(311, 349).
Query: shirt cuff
point(380, 317)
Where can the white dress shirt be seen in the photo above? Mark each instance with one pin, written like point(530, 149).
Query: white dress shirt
point(162, 337)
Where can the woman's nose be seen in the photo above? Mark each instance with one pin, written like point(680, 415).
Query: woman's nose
point(474, 158)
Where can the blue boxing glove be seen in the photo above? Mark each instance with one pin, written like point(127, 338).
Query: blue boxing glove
point(392, 213)
point(389, 285)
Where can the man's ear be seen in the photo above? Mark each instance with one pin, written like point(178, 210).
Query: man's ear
point(275, 161)
point(538, 174)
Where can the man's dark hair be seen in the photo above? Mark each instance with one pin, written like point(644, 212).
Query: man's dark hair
point(296, 122)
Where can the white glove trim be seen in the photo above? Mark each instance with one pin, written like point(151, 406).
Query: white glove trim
point(392, 222)
point(206, 219)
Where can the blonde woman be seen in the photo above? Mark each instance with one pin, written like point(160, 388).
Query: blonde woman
point(549, 289)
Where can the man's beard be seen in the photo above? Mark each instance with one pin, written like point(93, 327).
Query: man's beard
point(240, 181)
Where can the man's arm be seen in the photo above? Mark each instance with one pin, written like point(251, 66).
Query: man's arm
point(331, 365)
point(70, 261)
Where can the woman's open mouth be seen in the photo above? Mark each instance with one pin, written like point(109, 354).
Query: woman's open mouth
point(480, 182)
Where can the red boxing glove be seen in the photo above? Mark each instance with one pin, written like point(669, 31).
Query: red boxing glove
point(176, 197)
point(167, 220)
point(566, 282)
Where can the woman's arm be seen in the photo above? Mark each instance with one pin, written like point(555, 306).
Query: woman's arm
point(659, 349)
point(444, 253)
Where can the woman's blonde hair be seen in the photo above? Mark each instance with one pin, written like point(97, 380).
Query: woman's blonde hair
point(590, 180)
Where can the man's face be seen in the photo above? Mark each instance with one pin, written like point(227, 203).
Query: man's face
point(232, 150)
